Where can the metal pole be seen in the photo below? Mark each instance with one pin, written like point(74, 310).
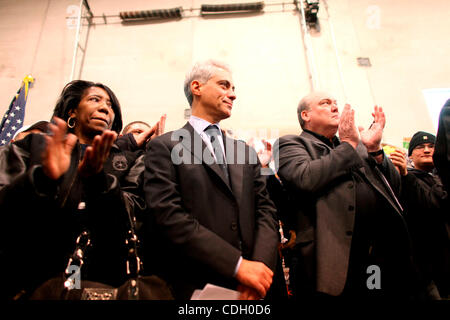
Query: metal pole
point(77, 40)
point(309, 53)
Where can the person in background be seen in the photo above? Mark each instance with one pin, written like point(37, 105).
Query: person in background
point(279, 289)
point(427, 214)
point(137, 134)
point(136, 128)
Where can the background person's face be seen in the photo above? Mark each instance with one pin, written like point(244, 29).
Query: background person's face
point(422, 156)
point(137, 128)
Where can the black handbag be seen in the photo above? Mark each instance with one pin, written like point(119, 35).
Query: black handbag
point(70, 286)
point(140, 288)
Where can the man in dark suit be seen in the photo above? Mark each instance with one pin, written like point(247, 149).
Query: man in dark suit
point(214, 220)
point(351, 234)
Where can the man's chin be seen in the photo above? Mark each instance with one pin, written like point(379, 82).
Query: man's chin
point(226, 115)
point(426, 165)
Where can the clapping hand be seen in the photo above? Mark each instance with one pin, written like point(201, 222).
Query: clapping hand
point(265, 155)
point(398, 158)
point(151, 133)
point(371, 137)
point(97, 153)
point(57, 154)
point(347, 129)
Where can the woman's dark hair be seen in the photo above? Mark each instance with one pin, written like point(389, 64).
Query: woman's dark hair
point(71, 96)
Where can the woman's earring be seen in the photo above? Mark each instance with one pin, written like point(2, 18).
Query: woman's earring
point(71, 125)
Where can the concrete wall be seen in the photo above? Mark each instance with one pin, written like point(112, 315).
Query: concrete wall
point(145, 63)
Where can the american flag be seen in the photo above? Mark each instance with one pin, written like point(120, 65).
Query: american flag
point(13, 118)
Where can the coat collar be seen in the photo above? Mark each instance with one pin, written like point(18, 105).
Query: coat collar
point(320, 139)
point(330, 143)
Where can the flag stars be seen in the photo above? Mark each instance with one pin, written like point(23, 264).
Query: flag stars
point(13, 118)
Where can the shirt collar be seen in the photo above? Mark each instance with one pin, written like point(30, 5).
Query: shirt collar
point(200, 124)
point(332, 144)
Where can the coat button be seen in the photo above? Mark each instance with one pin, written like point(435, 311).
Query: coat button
point(349, 233)
point(234, 226)
point(350, 185)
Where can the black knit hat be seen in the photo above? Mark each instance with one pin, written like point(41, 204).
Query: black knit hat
point(419, 138)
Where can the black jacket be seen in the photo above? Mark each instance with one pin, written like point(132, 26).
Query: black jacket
point(41, 218)
point(427, 215)
point(321, 181)
point(441, 156)
point(206, 223)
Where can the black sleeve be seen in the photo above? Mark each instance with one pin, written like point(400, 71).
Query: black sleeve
point(441, 156)
point(299, 170)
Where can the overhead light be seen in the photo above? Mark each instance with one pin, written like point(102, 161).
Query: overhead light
point(311, 10)
point(209, 9)
point(363, 62)
point(162, 14)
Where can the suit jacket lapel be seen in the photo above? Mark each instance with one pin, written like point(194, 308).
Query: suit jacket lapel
point(235, 169)
point(198, 148)
point(377, 180)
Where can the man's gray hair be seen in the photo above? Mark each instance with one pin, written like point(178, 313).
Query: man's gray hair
point(303, 105)
point(202, 71)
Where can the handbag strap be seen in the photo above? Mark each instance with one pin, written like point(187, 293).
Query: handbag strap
point(134, 263)
point(76, 261)
point(83, 242)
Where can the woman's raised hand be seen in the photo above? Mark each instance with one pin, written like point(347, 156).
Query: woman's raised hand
point(57, 154)
point(96, 154)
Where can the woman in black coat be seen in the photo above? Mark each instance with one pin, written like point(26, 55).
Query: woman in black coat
point(73, 179)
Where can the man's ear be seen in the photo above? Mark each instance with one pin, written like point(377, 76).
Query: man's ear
point(305, 115)
point(196, 87)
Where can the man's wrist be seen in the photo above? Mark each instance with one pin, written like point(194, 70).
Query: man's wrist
point(236, 269)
